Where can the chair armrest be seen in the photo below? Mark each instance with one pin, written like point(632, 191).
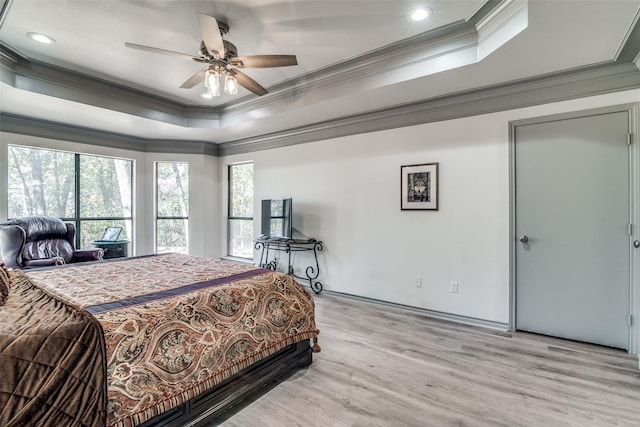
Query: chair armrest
point(43, 262)
point(92, 254)
point(12, 238)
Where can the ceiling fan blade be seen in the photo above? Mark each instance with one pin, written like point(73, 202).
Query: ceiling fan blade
point(162, 51)
point(248, 83)
point(211, 35)
point(193, 80)
point(264, 61)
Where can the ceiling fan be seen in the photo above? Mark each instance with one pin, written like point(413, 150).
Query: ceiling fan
point(223, 62)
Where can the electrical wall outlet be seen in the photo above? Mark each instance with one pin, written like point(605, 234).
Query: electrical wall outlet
point(418, 282)
point(453, 287)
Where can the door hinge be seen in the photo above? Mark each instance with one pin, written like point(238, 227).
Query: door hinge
point(630, 229)
point(629, 139)
point(630, 320)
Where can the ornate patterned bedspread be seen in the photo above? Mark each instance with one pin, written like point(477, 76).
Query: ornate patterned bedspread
point(176, 325)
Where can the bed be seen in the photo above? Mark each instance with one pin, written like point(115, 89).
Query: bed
point(159, 340)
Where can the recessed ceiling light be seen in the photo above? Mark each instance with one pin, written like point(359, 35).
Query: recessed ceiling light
point(420, 14)
point(206, 95)
point(41, 38)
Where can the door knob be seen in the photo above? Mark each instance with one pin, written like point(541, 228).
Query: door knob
point(524, 238)
point(636, 243)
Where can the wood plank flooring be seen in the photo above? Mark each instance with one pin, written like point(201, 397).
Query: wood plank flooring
point(383, 366)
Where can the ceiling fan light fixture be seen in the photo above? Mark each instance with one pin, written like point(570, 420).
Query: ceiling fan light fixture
point(212, 82)
point(221, 58)
point(230, 85)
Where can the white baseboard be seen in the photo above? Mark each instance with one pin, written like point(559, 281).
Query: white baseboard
point(499, 326)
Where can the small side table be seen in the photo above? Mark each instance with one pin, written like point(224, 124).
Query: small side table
point(267, 244)
point(117, 249)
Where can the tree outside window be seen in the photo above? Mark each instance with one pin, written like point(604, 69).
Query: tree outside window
point(41, 182)
point(94, 192)
point(105, 196)
point(240, 215)
point(172, 207)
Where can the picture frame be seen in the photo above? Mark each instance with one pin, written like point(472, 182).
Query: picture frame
point(111, 234)
point(419, 187)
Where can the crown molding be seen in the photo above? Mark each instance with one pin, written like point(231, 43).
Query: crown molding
point(630, 45)
point(4, 9)
point(562, 86)
point(572, 84)
point(500, 25)
point(39, 77)
point(11, 123)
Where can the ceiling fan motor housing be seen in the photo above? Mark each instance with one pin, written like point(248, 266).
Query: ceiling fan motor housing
point(223, 27)
point(230, 49)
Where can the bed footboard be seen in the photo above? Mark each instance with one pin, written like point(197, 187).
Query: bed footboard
point(246, 384)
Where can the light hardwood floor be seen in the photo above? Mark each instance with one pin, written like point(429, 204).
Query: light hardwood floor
point(382, 366)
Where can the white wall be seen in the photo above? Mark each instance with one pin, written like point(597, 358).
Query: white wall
point(204, 191)
point(346, 192)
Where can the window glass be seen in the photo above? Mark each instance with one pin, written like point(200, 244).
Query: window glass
point(241, 191)
point(44, 182)
point(173, 189)
point(172, 235)
point(105, 187)
point(240, 217)
point(41, 182)
point(241, 238)
point(172, 207)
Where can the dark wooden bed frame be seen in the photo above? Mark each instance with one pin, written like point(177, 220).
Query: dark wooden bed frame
point(244, 385)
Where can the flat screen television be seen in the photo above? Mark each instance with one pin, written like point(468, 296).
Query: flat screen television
point(277, 218)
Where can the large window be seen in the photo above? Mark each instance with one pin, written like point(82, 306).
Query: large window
point(240, 222)
point(172, 207)
point(93, 192)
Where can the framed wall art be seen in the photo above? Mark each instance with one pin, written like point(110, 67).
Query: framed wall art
point(419, 187)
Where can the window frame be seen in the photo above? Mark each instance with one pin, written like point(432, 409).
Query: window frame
point(77, 219)
point(157, 204)
point(230, 216)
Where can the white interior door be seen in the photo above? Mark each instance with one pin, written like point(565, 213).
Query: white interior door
point(572, 218)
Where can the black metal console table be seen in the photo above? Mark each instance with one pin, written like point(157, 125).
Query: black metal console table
point(267, 244)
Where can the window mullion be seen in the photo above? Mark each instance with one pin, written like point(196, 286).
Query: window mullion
point(77, 199)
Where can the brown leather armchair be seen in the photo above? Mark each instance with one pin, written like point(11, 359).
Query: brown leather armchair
point(39, 241)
